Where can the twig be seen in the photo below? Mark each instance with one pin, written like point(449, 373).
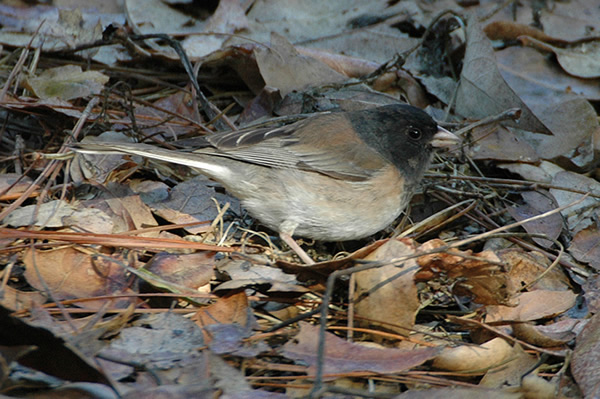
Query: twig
point(516, 224)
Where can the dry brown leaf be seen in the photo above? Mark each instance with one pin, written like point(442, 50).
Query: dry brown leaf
point(345, 357)
point(459, 393)
point(585, 246)
point(41, 350)
point(388, 293)
point(13, 184)
point(568, 115)
point(284, 68)
point(315, 20)
point(485, 282)
point(323, 269)
point(525, 268)
point(543, 172)
point(583, 214)
point(72, 274)
point(226, 324)
point(574, 20)
point(66, 82)
point(127, 211)
point(244, 273)
point(578, 59)
point(534, 305)
point(537, 71)
point(490, 86)
point(367, 48)
point(474, 358)
point(511, 372)
point(14, 299)
point(59, 213)
point(156, 17)
point(538, 202)
point(98, 167)
point(586, 359)
point(509, 30)
point(591, 293)
point(261, 106)
point(167, 343)
point(123, 212)
point(547, 336)
point(483, 91)
point(190, 270)
point(570, 20)
point(499, 143)
point(174, 115)
point(227, 310)
point(191, 201)
point(52, 27)
point(229, 17)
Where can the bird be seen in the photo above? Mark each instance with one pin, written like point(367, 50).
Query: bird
point(334, 176)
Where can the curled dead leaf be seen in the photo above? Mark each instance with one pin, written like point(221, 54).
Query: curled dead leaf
point(481, 276)
point(474, 357)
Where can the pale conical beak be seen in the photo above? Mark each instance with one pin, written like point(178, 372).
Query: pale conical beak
point(443, 138)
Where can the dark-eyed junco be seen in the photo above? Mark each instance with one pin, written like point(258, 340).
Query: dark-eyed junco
point(333, 176)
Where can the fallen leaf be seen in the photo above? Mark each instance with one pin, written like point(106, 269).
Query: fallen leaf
point(345, 357)
point(499, 143)
point(59, 213)
point(581, 215)
point(547, 336)
point(578, 59)
point(459, 393)
point(72, 274)
point(568, 21)
point(244, 273)
point(537, 203)
point(189, 270)
point(167, 342)
point(586, 358)
point(67, 83)
point(509, 30)
point(227, 310)
point(591, 293)
point(534, 305)
point(470, 358)
point(231, 339)
point(567, 115)
point(46, 352)
point(527, 267)
point(14, 299)
point(229, 17)
point(52, 27)
point(378, 290)
point(537, 71)
point(585, 246)
point(543, 172)
point(98, 167)
point(282, 67)
point(480, 276)
point(511, 371)
point(13, 184)
point(191, 201)
point(483, 91)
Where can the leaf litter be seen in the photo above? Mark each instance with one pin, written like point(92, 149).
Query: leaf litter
point(122, 277)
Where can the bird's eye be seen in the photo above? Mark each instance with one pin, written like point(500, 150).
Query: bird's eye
point(414, 133)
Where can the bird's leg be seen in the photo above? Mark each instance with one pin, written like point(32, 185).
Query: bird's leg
point(296, 248)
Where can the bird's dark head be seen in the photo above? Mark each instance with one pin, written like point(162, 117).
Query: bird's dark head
point(403, 134)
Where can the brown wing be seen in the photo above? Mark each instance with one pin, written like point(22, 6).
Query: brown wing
point(320, 144)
